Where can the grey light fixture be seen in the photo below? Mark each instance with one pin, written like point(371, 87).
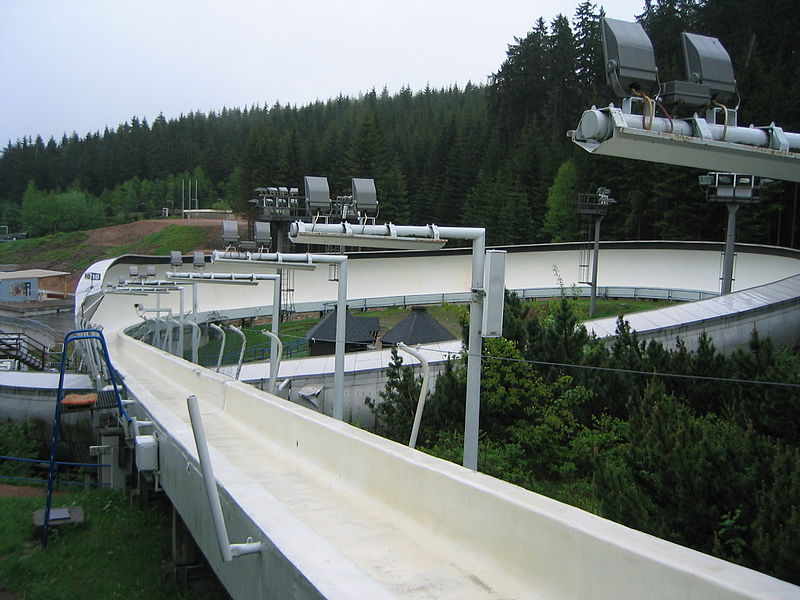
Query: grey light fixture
point(318, 194)
point(630, 62)
point(708, 63)
point(365, 196)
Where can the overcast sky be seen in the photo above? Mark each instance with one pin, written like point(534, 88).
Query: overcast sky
point(79, 65)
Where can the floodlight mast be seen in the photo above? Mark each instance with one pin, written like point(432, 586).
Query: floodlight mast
point(693, 142)
point(368, 235)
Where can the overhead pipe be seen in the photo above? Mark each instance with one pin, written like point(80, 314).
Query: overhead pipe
point(765, 151)
point(597, 124)
point(423, 391)
point(227, 550)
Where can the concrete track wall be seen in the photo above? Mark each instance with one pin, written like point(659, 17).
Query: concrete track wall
point(345, 514)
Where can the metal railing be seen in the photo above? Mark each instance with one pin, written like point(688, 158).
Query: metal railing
point(645, 293)
point(24, 348)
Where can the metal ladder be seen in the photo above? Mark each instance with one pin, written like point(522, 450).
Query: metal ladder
point(90, 336)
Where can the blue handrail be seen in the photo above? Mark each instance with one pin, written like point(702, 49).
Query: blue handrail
point(73, 336)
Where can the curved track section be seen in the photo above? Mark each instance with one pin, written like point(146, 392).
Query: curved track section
point(342, 513)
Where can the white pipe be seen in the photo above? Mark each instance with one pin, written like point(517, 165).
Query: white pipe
point(216, 327)
point(596, 124)
point(227, 277)
point(423, 392)
point(277, 351)
point(241, 352)
point(276, 347)
point(341, 314)
point(389, 230)
point(227, 550)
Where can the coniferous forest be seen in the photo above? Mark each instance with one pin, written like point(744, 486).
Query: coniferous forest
point(709, 464)
point(491, 154)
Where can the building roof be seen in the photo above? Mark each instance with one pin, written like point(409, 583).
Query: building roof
point(357, 329)
point(29, 274)
point(417, 328)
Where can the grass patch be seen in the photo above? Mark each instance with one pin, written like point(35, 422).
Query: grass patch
point(449, 315)
point(606, 307)
point(291, 331)
point(119, 553)
point(55, 247)
point(183, 238)
point(72, 252)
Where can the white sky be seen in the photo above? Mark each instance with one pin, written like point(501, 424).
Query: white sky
point(79, 65)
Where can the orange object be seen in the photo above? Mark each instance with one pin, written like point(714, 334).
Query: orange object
point(79, 400)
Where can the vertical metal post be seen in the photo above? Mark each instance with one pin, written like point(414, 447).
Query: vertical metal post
point(195, 340)
point(341, 323)
point(274, 355)
point(474, 351)
point(595, 257)
point(182, 324)
point(730, 247)
point(794, 217)
point(208, 478)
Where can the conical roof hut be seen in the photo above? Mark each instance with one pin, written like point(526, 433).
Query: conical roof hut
point(419, 327)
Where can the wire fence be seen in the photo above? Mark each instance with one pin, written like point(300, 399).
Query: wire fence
point(45, 463)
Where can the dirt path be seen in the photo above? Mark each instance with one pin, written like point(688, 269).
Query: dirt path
point(21, 491)
point(128, 233)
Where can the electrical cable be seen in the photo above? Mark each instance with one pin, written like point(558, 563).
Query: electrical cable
point(725, 112)
point(632, 371)
point(651, 108)
point(449, 353)
point(669, 116)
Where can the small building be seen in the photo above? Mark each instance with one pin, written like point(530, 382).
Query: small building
point(419, 327)
point(360, 332)
point(32, 285)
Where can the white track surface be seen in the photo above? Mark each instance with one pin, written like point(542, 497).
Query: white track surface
point(345, 514)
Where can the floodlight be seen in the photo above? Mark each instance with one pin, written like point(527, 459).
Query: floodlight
point(318, 193)
point(230, 232)
point(261, 233)
point(708, 63)
point(175, 259)
point(629, 58)
point(365, 196)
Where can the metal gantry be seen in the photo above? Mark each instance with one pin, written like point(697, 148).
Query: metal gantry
point(430, 236)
